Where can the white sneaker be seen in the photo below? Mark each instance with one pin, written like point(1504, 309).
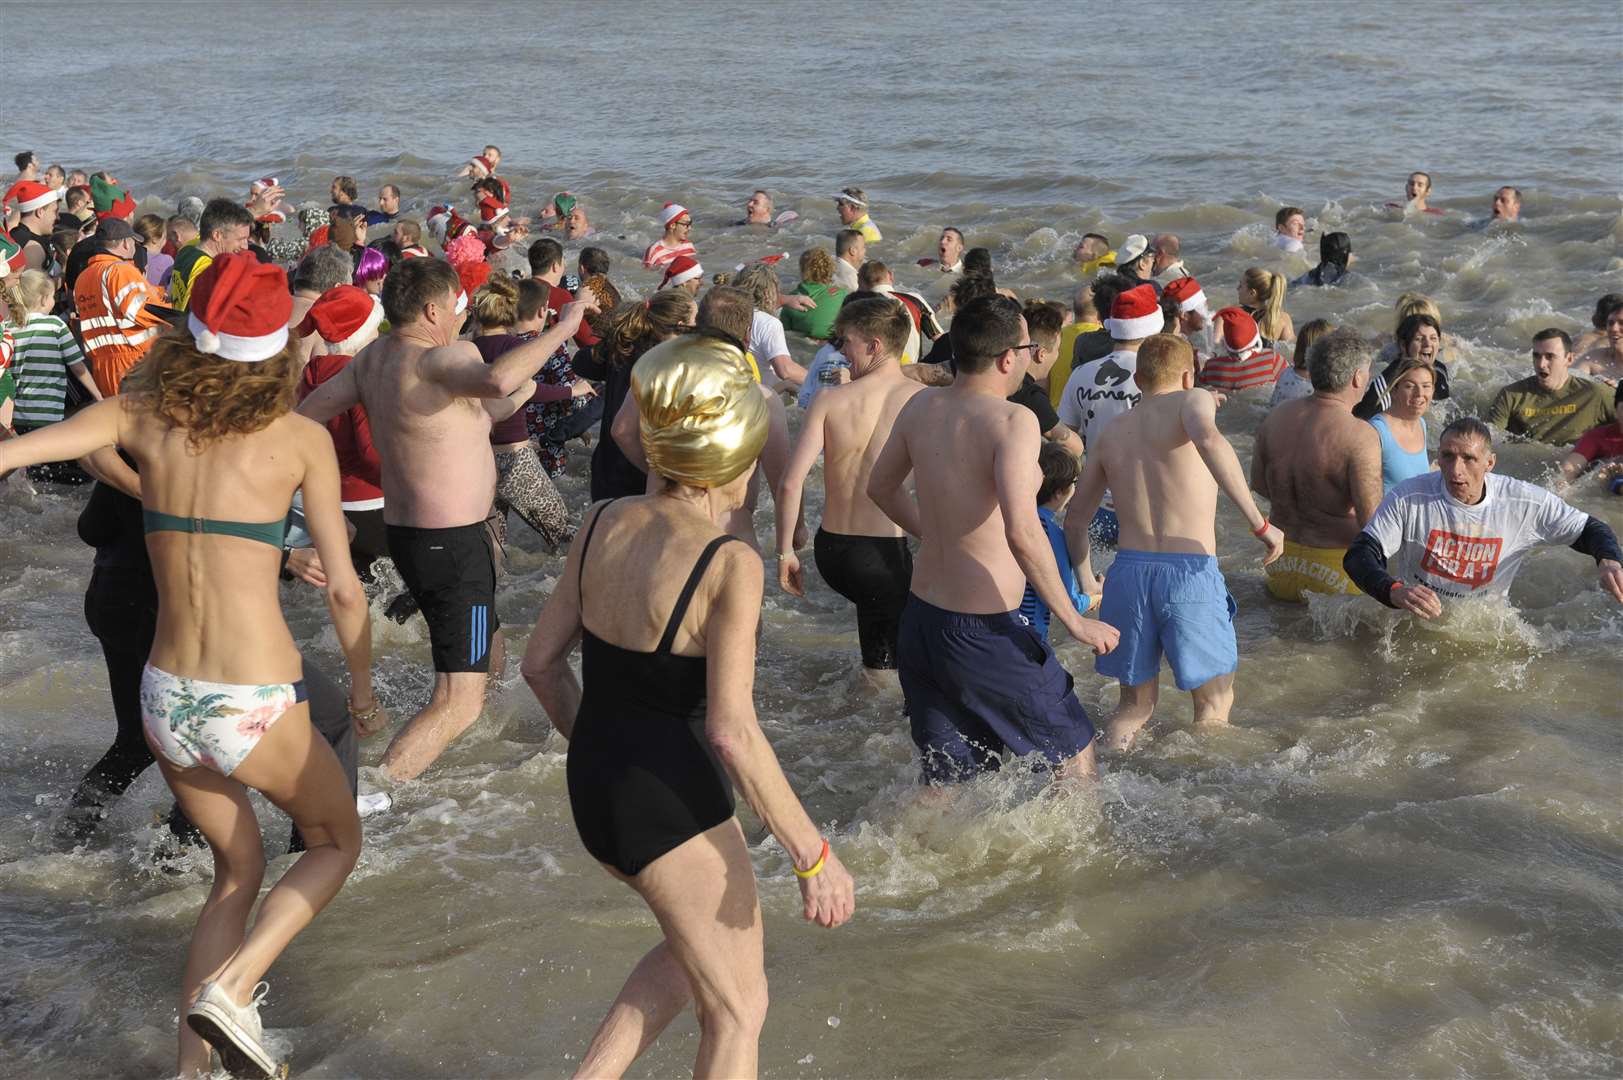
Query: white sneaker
point(375, 802)
point(233, 1030)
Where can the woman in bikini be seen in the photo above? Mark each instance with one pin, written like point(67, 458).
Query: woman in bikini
point(207, 419)
point(665, 724)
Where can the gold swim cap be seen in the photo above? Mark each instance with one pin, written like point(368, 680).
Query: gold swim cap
point(704, 420)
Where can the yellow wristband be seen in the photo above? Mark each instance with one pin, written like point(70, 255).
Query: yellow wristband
point(817, 867)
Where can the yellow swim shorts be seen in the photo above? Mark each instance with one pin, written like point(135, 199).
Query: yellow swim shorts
point(1303, 569)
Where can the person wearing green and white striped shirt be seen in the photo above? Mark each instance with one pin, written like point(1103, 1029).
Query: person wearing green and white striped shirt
point(46, 354)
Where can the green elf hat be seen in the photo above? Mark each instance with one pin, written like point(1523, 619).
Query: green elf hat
point(110, 200)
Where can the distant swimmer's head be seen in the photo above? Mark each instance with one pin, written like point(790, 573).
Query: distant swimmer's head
point(1166, 363)
point(1419, 186)
point(758, 208)
point(950, 248)
point(1134, 256)
point(1291, 222)
point(1335, 248)
point(1552, 358)
point(230, 371)
point(989, 336)
point(1092, 246)
point(1604, 307)
point(1465, 457)
point(871, 332)
point(1339, 363)
point(425, 296)
point(1507, 204)
point(851, 204)
point(704, 419)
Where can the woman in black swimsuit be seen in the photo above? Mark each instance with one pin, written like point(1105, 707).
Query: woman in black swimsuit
point(665, 607)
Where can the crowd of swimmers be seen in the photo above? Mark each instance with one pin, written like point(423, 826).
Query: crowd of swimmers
point(257, 408)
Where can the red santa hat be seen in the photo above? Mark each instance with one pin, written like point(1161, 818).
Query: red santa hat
point(670, 212)
point(1135, 314)
point(491, 210)
point(764, 260)
point(12, 259)
point(680, 269)
point(346, 317)
point(27, 195)
point(239, 309)
point(482, 166)
point(264, 183)
point(1187, 292)
point(275, 217)
point(1240, 333)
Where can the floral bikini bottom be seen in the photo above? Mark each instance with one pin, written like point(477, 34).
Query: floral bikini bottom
point(193, 722)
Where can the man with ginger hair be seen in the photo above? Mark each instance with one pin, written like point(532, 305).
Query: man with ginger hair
point(1165, 460)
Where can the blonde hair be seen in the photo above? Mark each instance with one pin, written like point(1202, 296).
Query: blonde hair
point(495, 303)
point(207, 396)
point(36, 290)
point(1413, 303)
point(1270, 290)
point(817, 266)
point(761, 282)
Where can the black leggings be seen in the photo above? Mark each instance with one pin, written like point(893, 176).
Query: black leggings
point(874, 573)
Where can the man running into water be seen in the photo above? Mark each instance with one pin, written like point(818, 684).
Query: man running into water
point(1319, 467)
point(860, 552)
point(431, 400)
point(1463, 530)
point(1165, 460)
point(977, 679)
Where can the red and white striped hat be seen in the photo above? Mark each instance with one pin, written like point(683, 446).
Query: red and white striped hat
point(671, 211)
point(28, 195)
point(1135, 314)
point(1240, 333)
point(1187, 292)
point(239, 309)
point(682, 268)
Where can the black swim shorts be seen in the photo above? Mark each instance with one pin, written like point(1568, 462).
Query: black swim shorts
point(451, 573)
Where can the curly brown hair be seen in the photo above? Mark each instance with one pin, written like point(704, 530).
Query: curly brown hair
point(817, 266)
point(207, 396)
point(638, 325)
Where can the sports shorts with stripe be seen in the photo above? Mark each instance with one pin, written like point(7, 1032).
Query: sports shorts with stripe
point(451, 573)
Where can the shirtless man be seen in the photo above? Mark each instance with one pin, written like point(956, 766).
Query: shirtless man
point(977, 679)
point(1320, 470)
point(860, 552)
point(1165, 460)
point(431, 400)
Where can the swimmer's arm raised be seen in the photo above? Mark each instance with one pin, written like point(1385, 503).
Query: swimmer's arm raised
point(735, 734)
point(889, 472)
point(87, 430)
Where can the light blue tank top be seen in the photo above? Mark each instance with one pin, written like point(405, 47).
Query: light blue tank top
point(1398, 464)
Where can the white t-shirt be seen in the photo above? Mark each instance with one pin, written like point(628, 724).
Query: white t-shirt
point(1097, 391)
point(1432, 538)
point(766, 339)
point(845, 275)
point(1286, 243)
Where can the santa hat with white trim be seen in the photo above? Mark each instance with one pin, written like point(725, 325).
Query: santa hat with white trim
point(264, 184)
point(347, 317)
point(1136, 314)
point(12, 259)
point(28, 195)
point(1240, 334)
point(482, 166)
point(239, 309)
point(1187, 292)
point(671, 212)
point(682, 268)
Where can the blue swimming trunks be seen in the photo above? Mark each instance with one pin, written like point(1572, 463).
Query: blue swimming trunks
point(979, 684)
point(1173, 604)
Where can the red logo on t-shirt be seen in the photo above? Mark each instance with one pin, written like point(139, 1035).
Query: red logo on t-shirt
point(1469, 560)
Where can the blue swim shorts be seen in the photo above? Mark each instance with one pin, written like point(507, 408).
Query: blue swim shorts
point(979, 684)
point(1171, 603)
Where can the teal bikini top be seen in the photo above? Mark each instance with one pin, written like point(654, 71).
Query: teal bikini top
point(268, 532)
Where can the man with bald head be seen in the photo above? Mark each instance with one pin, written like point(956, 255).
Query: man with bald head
point(1167, 266)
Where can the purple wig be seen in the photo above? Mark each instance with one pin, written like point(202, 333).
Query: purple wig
point(373, 265)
